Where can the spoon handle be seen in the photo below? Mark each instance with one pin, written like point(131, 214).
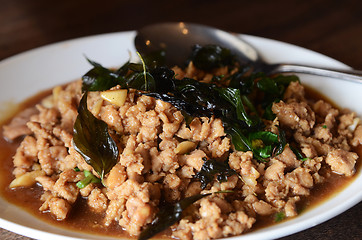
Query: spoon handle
point(348, 75)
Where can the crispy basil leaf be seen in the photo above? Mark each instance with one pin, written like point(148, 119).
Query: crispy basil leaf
point(282, 142)
point(141, 81)
point(285, 80)
point(164, 79)
point(209, 57)
point(193, 97)
point(212, 168)
point(100, 78)
point(245, 83)
point(188, 118)
point(298, 154)
point(92, 140)
point(181, 104)
point(169, 214)
point(155, 59)
point(269, 86)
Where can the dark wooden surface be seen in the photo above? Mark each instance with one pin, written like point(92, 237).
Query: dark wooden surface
point(331, 27)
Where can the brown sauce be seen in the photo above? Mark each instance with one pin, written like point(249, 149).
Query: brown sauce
point(84, 220)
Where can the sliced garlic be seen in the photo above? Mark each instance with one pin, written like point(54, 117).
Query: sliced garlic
point(116, 97)
point(251, 178)
point(185, 147)
point(250, 181)
point(354, 125)
point(255, 172)
point(97, 107)
point(27, 179)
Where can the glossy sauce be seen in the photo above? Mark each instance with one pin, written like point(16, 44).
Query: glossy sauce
point(83, 219)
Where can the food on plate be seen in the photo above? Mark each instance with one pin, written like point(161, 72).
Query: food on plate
point(205, 151)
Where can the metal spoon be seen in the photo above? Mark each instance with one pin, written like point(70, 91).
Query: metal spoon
point(178, 38)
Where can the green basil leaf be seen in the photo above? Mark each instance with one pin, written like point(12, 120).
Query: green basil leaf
point(92, 140)
point(285, 80)
point(261, 153)
point(265, 144)
point(268, 113)
point(155, 59)
point(141, 81)
point(244, 82)
point(267, 137)
point(232, 95)
point(269, 86)
point(238, 139)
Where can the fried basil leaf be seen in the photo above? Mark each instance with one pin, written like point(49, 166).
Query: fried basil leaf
point(155, 59)
point(245, 83)
point(92, 140)
point(168, 215)
point(212, 168)
point(298, 154)
point(100, 78)
point(141, 81)
point(209, 57)
point(194, 98)
point(282, 142)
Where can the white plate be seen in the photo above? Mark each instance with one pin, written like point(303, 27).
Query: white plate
point(28, 73)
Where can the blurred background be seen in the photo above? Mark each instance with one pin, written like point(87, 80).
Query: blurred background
point(330, 27)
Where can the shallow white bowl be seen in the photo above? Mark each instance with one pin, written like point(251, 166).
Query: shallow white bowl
point(26, 74)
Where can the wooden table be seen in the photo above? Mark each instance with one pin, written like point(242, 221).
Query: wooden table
point(331, 27)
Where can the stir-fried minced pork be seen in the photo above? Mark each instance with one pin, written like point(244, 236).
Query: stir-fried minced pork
point(160, 155)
